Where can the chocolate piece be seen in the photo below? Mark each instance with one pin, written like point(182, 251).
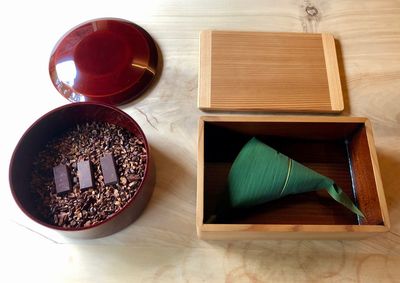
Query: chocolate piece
point(62, 179)
point(85, 174)
point(77, 209)
point(108, 168)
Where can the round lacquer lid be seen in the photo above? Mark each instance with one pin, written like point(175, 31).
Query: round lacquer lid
point(105, 60)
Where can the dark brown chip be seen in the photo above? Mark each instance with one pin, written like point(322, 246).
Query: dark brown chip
point(108, 169)
point(62, 179)
point(85, 175)
point(88, 141)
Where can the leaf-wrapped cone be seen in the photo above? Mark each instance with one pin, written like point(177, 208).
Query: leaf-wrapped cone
point(260, 174)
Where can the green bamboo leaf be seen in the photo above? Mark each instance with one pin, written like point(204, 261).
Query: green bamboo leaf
point(260, 174)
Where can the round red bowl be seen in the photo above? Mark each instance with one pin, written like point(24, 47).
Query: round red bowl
point(54, 123)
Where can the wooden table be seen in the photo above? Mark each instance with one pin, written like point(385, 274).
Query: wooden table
point(162, 245)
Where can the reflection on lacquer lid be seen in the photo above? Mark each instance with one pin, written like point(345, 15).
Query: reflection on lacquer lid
point(105, 60)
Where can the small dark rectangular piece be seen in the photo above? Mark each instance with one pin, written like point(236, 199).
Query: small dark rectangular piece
point(108, 168)
point(85, 174)
point(62, 179)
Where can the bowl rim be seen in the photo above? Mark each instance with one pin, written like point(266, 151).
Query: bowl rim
point(42, 118)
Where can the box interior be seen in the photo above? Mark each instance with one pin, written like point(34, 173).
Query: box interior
point(337, 150)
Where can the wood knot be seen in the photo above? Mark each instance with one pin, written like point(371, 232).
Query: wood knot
point(311, 11)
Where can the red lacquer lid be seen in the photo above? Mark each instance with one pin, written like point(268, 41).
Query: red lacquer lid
point(105, 60)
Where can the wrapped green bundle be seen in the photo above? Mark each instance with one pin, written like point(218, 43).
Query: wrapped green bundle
point(260, 174)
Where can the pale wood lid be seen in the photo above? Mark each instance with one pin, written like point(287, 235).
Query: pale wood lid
point(263, 71)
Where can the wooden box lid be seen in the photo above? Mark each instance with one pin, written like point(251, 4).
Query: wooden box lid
point(264, 71)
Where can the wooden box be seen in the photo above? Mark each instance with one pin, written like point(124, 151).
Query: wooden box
point(341, 148)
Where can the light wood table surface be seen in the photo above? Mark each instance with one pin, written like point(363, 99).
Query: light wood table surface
point(162, 246)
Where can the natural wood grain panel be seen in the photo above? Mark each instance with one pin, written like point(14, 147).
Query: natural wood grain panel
point(205, 69)
point(200, 177)
point(366, 181)
point(268, 71)
point(294, 232)
point(332, 70)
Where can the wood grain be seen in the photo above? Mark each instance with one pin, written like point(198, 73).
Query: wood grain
point(332, 71)
point(269, 71)
point(200, 178)
point(205, 69)
point(364, 181)
point(162, 246)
